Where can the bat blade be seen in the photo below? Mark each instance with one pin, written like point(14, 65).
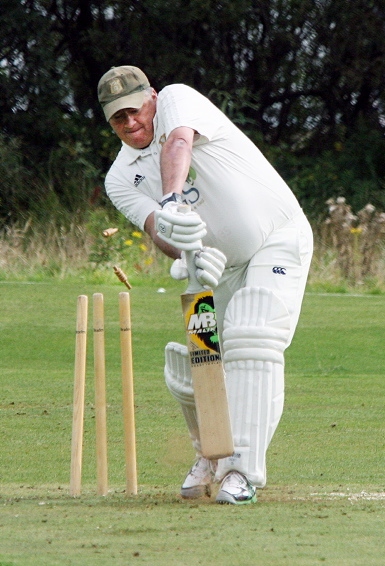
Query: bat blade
point(207, 374)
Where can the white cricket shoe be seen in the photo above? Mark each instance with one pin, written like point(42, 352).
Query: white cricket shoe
point(236, 489)
point(198, 480)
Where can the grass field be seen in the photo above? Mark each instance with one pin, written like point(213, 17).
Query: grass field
point(325, 498)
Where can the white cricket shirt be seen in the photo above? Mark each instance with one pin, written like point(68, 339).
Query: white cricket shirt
point(230, 185)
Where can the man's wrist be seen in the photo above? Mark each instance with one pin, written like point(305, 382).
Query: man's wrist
point(171, 197)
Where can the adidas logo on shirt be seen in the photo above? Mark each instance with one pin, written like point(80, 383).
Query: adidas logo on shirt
point(138, 179)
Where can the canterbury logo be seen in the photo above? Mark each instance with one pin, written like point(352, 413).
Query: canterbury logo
point(279, 270)
point(138, 180)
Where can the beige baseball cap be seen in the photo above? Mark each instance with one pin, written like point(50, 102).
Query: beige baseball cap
point(122, 87)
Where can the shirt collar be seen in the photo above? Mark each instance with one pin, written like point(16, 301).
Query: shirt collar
point(133, 154)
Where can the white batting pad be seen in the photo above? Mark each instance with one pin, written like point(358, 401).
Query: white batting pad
point(178, 380)
point(256, 333)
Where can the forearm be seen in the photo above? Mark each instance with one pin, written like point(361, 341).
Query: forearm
point(175, 160)
point(149, 228)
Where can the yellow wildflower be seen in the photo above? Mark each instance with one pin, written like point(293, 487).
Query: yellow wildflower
point(128, 242)
point(143, 247)
point(137, 235)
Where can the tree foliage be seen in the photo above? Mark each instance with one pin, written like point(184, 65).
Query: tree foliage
point(304, 78)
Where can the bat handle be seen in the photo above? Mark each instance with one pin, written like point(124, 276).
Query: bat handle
point(193, 286)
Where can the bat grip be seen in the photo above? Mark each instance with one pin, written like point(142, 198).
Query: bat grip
point(193, 284)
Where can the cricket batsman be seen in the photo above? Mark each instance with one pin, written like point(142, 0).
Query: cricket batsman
point(257, 244)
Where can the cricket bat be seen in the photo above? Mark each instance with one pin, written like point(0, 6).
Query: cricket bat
point(207, 371)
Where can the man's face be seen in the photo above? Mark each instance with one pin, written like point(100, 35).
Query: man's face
point(134, 126)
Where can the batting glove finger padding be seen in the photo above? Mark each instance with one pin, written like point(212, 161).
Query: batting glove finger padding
point(179, 229)
point(210, 264)
point(207, 280)
point(211, 259)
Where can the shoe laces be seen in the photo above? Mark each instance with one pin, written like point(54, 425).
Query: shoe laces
point(201, 467)
point(235, 479)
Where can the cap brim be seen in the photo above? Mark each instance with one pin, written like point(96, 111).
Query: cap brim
point(130, 101)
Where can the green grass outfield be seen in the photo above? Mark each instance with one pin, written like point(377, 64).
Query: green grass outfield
point(325, 498)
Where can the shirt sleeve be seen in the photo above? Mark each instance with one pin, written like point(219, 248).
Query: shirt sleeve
point(180, 105)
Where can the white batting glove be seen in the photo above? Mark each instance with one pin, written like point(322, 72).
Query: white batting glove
point(178, 269)
point(210, 264)
point(183, 230)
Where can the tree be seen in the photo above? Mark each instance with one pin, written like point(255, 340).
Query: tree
point(305, 77)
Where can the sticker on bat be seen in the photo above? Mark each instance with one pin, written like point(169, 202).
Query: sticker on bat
point(201, 322)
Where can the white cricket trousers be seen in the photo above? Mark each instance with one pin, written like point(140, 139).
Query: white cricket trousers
point(289, 248)
point(281, 267)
